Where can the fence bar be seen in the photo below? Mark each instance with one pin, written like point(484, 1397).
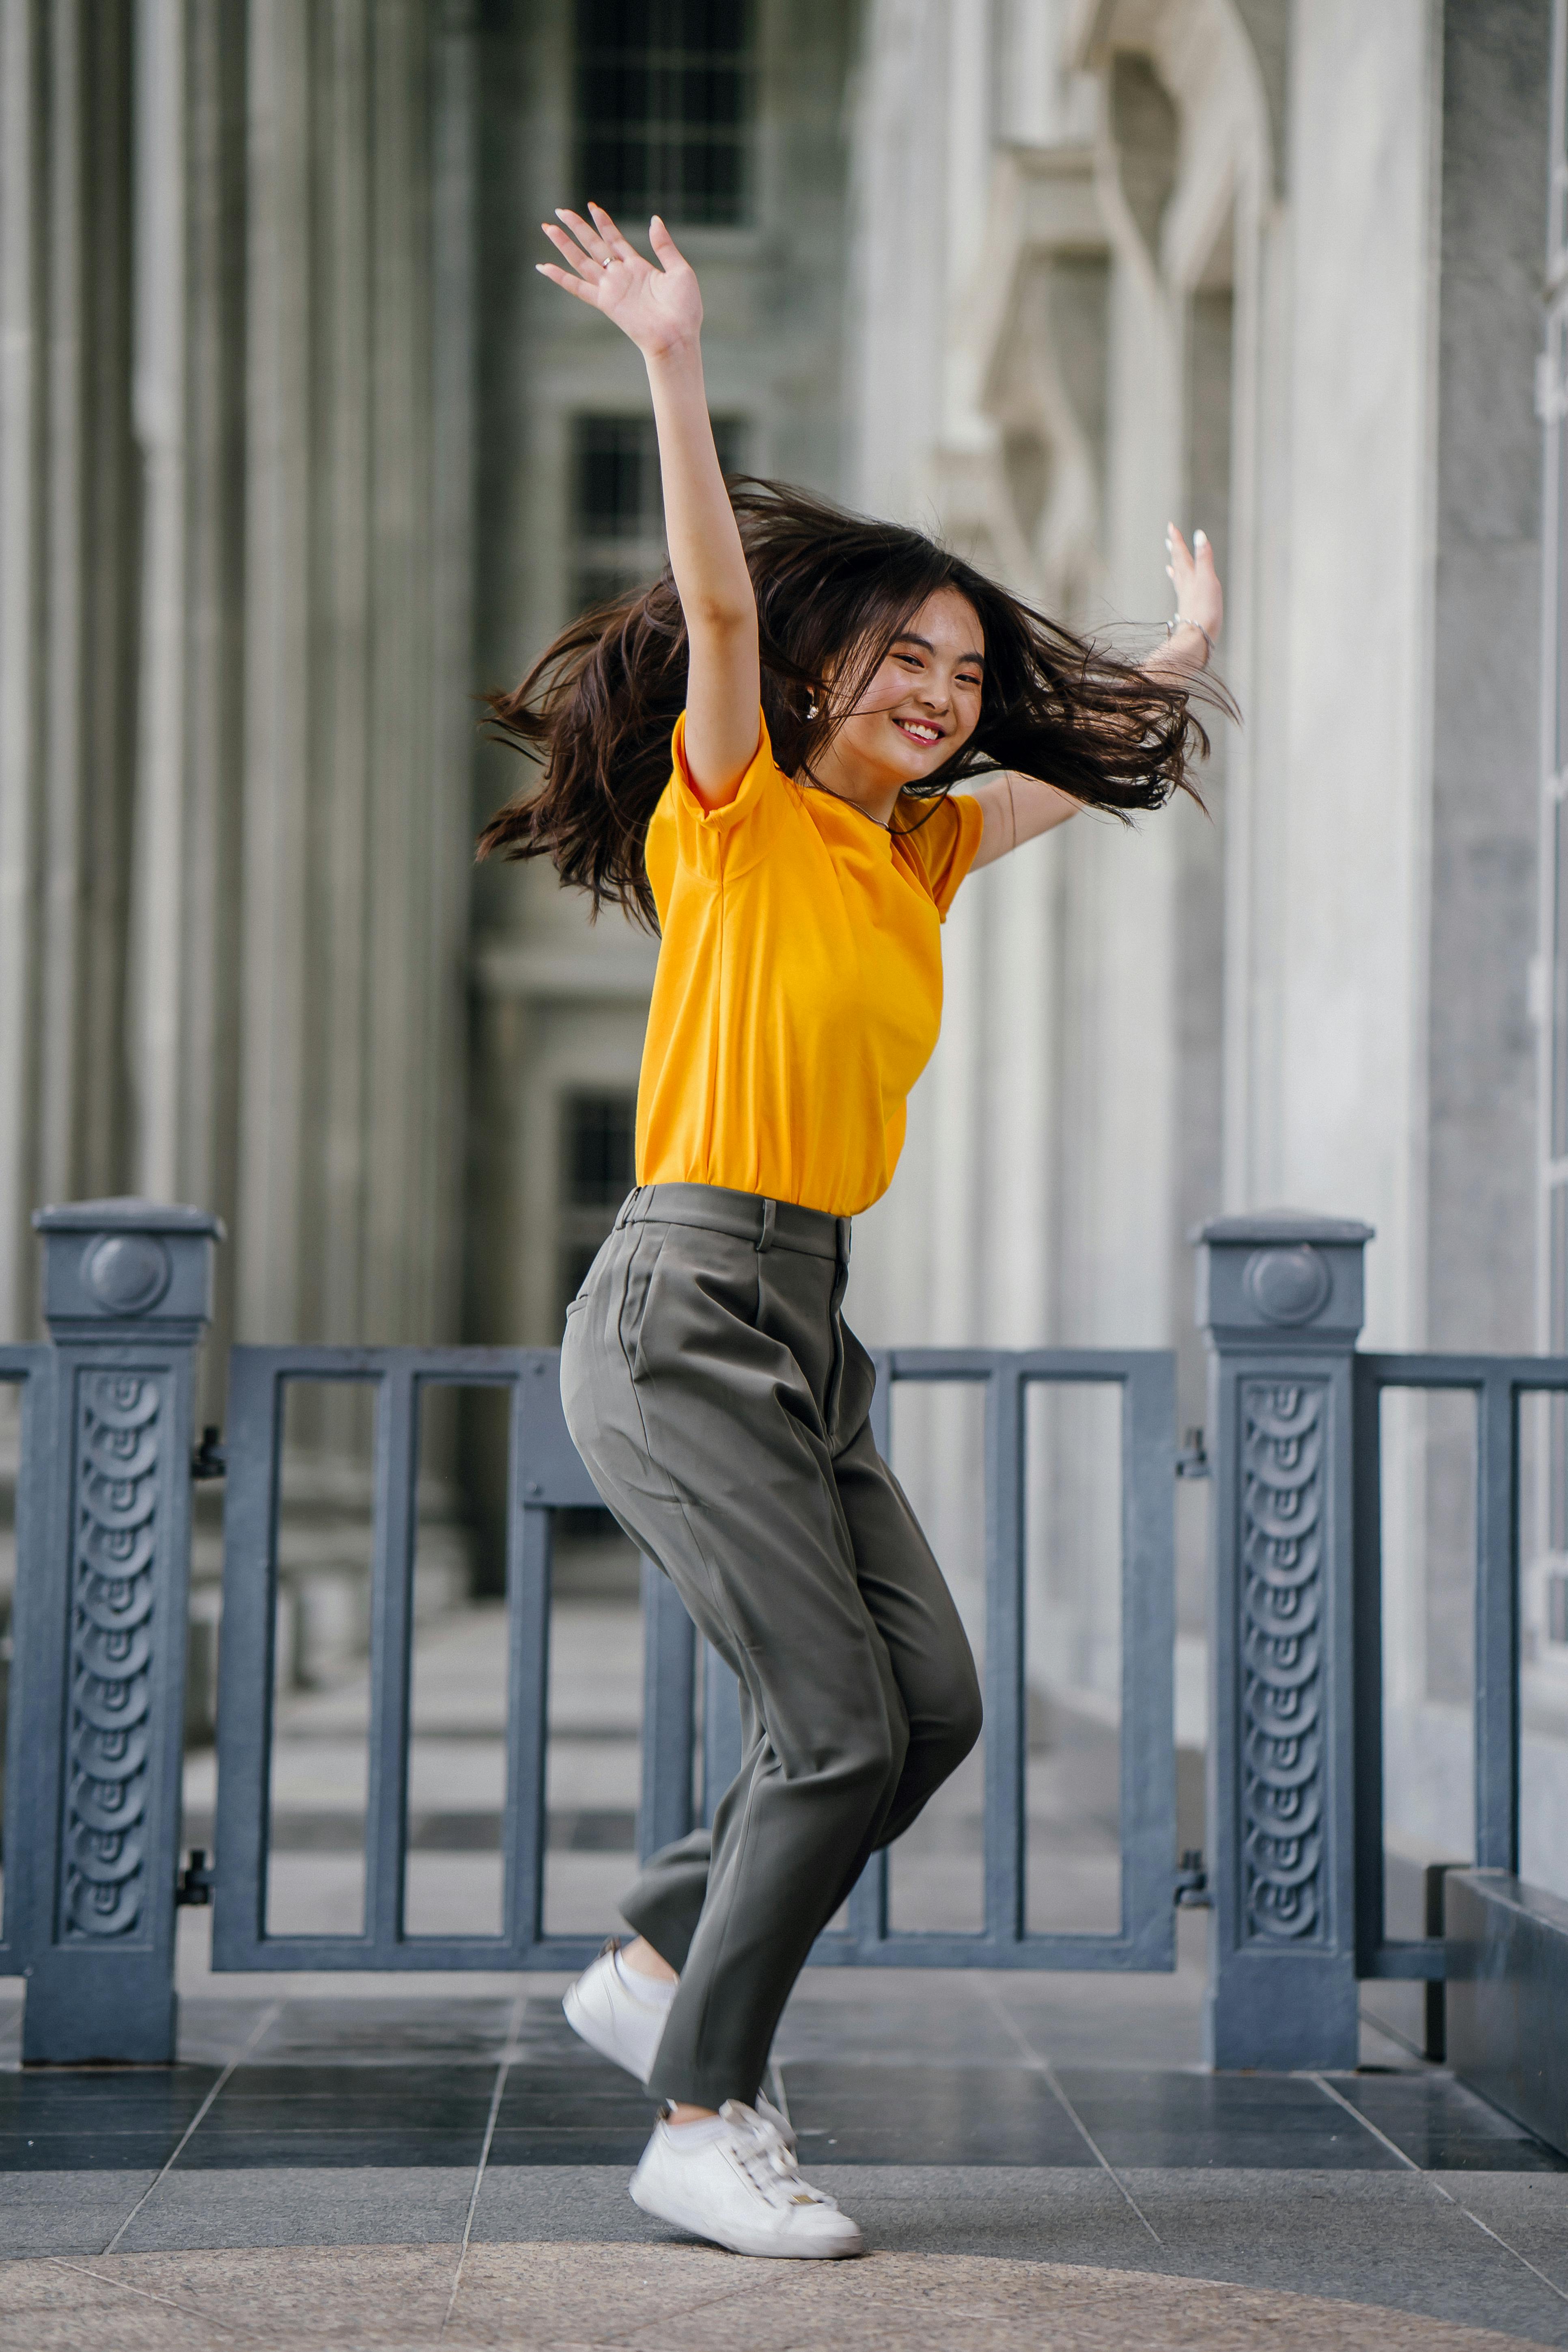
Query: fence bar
point(1005, 1732)
point(527, 1720)
point(100, 1668)
point(1496, 1625)
point(1281, 1299)
point(1366, 1447)
point(391, 1643)
point(247, 1663)
point(1148, 1791)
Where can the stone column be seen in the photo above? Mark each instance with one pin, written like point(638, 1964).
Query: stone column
point(1279, 1298)
point(100, 1631)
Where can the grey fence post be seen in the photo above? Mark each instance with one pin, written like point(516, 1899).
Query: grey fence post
point(101, 1630)
point(1279, 1297)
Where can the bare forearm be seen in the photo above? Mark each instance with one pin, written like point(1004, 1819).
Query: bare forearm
point(1185, 652)
point(706, 553)
point(1017, 809)
point(657, 305)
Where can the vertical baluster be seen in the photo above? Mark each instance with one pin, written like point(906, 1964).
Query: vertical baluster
point(868, 1896)
point(1148, 1737)
point(1004, 1669)
point(391, 1643)
point(529, 1531)
point(1366, 1447)
point(1496, 1626)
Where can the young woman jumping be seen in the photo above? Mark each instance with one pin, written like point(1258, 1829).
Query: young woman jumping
point(759, 755)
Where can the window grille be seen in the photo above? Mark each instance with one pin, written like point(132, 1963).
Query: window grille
point(618, 511)
point(663, 107)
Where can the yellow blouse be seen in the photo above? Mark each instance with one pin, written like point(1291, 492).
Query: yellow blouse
point(798, 990)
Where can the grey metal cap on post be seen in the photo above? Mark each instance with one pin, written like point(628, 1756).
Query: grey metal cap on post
point(100, 1629)
point(1279, 1295)
point(126, 1263)
point(1282, 1273)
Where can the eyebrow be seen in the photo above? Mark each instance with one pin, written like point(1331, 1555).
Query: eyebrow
point(908, 637)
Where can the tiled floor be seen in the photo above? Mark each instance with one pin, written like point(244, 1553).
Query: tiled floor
point(1033, 2157)
point(958, 2116)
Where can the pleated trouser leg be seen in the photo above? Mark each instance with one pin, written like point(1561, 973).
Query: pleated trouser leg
point(721, 1405)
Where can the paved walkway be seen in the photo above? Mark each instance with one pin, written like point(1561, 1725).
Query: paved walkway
point(1034, 2160)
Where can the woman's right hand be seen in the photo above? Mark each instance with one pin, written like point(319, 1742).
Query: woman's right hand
point(660, 308)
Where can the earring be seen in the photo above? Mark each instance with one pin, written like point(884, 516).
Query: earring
point(812, 707)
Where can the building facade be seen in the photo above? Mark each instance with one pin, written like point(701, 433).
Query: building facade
point(299, 457)
point(1276, 272)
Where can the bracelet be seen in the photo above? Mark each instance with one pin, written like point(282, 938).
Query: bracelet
point(1182, 620)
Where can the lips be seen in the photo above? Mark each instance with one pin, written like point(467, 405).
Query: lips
point(917, 732)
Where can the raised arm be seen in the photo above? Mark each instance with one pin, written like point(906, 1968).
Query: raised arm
point(659, 307)
point(1019, 808)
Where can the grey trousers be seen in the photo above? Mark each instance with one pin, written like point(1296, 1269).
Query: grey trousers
point(720, 1403)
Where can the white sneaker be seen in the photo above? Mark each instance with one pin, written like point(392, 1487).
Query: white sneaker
point(739, 2187)
point(603, 2009)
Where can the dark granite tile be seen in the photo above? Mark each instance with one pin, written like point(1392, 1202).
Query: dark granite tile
point(547, 2093)
point(1279, 2122)
point(98, 2119)
point(884, 2113)
point(592, 2143)
point(393, 2033)
point(81, 2151)
point(300, 2148)
point(383, 2098)
point(344, 2115)
point(1444, 2127)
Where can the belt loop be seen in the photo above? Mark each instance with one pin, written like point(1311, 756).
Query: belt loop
point(769, 1218)
point(844, 1241)
point(627, 1205)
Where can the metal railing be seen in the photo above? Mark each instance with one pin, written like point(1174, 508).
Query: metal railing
point(547, 1475)
point(1295, 1797)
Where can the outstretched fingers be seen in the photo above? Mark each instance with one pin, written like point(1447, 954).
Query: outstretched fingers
point(610, 241)
point(567, 285)
point(572, 254)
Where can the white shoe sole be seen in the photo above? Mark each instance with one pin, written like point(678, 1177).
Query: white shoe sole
point(597, 2037)
point(684, 2218)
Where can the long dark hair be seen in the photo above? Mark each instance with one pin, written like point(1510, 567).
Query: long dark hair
point(834, 591)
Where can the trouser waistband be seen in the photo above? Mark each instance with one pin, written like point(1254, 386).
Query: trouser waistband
point(747, 1216)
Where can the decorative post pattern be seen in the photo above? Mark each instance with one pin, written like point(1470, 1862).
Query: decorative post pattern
point(1279, 1297)
point(101, 1611)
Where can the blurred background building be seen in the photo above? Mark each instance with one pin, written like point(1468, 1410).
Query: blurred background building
point(298, 455)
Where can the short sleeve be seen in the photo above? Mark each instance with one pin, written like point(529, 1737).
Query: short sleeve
point(707, 842)
point(942, 844)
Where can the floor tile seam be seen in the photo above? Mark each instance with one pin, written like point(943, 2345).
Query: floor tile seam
point(514, 2021)
point(146, 2294)
point(266, 2019)
point(1321, 2083)
point(1041, 2063)
point(1487, 2231)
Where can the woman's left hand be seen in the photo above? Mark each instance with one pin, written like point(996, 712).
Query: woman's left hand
point(1200, 596)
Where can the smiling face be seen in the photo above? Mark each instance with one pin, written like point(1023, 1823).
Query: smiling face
point(921, 705)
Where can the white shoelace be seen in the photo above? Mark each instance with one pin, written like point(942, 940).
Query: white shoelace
point(767, 2161)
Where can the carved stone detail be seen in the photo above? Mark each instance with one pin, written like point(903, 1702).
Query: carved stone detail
point(114, 1550)
point(1282, 1663)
